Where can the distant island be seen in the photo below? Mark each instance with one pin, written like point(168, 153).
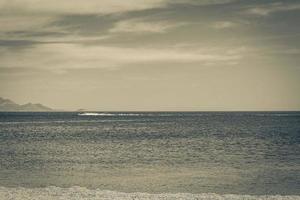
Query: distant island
point(8, 105)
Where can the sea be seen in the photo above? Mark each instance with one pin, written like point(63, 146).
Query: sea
point(149, 155)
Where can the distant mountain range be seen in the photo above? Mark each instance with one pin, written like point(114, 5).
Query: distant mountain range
point(9, 105)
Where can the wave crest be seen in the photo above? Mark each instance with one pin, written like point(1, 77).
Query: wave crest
point(108, 114)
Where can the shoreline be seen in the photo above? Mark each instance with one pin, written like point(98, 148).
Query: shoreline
point(80, 193)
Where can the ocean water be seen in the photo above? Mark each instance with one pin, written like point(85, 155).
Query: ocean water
point(151, 155)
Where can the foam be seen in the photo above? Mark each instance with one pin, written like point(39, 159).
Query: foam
point(108, 114)
point(81, 193)
point(129, 114)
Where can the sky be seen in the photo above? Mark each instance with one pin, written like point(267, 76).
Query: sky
point(151, 55)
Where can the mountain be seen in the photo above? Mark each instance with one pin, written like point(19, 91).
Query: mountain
point(9, 105)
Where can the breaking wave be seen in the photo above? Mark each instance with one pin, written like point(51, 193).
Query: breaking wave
point(109, 114)
point(81, 193)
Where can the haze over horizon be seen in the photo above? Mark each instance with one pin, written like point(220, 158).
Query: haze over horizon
point(191, 55)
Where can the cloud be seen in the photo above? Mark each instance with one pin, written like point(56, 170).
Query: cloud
point(201, 2)
point(18, 22)
point(25, 26)
point(17, 43)
point(43, 15)
point(139, 25)
point(223, 24)
point(58, 18)
point(65, 56)
point(78, 6)
point(265, 10)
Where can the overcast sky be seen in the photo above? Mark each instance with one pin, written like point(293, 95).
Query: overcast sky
point(151, 54)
